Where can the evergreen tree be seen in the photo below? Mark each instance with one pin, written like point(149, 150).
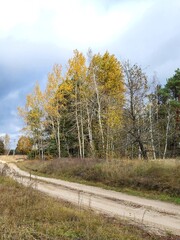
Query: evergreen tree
point(2, 150)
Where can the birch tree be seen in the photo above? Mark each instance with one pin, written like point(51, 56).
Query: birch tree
point(52, 104)
point(34, 118)
point(107, 80)
point(77, 74)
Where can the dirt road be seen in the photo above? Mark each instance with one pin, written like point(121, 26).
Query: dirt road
point(157, 216)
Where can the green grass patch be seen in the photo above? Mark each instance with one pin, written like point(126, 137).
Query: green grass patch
point(27, 214)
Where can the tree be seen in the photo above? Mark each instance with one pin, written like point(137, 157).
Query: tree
point(53, 104)
point(77, 74)
point(173, 85)
point(135, 112)
point(34, 118)
point(171, 98)
point(105, 74)
point(79, 114)
point(2, 150)
point(7, 144)
point(24, 145)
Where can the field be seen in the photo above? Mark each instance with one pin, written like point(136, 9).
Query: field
point(152, 179)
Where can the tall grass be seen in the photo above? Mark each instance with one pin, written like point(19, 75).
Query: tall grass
point(26, 214)
point(156, 176)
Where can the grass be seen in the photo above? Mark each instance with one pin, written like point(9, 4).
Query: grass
point(154, 179)
point(26, 214)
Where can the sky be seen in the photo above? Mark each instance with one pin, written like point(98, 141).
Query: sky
point(36, 34)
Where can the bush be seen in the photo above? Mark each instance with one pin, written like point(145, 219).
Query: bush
point(31, 155)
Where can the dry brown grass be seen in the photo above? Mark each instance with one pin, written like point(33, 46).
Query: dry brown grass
point(159, 178)
point(13, 158)
point(26, 214)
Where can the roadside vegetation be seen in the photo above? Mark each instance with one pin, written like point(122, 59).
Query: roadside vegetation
point(28, 214)
point(151, 179)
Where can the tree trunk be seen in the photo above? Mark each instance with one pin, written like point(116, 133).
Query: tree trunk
point(143, 150)
point(90, 132)
point(54, 132)
point(58, 139)
point(151, 132)
point(167, 132)
point(99, 111)
point(77, 124)
point(42, 149)
point(82, 134)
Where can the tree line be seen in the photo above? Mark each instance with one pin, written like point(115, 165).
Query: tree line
point(103, 108)
point(5, 144)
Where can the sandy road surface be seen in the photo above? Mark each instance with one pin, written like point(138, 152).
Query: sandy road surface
point(153, 215)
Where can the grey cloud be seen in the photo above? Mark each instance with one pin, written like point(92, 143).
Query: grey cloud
point(21, 65)
point(153, 41)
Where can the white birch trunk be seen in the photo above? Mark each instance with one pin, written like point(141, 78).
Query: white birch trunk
point(82, 134)
point(99, 111)
point(58, 138)
point(78, 125)
point(90, 131)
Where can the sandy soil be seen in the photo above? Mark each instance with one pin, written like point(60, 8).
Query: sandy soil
point(152, 215)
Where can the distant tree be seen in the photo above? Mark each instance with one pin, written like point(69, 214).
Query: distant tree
point(33, 116)
point(24, 145)
point(7, 144)
point(1, 147)
point(173, 86)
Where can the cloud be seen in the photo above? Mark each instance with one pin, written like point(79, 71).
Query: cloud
point(22, 63)
point(153, 41)
point(73, 24)
point(36, 34)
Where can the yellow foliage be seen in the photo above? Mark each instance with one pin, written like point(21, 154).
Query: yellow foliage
point(109, 74)
point(77, 68)
point(24, 145)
